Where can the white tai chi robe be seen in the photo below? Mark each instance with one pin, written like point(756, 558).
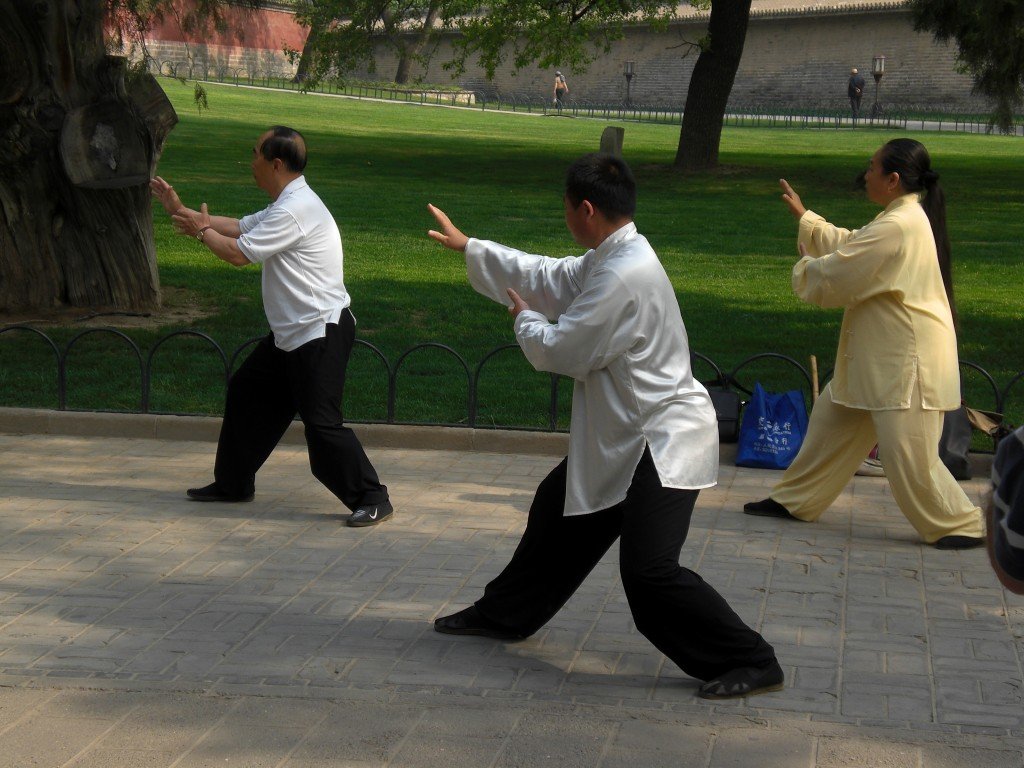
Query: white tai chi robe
point(610, 320)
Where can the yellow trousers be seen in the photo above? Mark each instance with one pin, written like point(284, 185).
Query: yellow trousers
point(839, 438)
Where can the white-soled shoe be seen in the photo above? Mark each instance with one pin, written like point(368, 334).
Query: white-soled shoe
point(370, 515)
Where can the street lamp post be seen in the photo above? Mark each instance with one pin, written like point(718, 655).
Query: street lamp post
point(629, 71)
point(877, 70)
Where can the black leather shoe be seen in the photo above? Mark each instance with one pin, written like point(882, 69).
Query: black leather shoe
point(744, 681)
point(767, 508)
point(960, 542)
point(469, 622)
point(370, 515)
point(212, 493)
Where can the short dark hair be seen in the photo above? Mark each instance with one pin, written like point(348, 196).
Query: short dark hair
point(604, 180)
point(285, 144)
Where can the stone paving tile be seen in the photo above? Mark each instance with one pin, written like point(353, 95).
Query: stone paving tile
point(765, 749)
point(108, 573)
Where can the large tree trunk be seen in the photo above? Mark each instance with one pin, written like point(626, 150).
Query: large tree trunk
point(710, 85)
point(404, 65)
point(78, 148)
point(306, 59)
point(408, 51)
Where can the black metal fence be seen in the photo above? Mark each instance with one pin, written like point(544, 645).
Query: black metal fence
point(788, 373)
point(824, 114)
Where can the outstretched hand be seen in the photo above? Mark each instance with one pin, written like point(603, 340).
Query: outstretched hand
point(165, 193)
point(449, 236)
point(189, 222)
point(792, 199)
point(517, 305)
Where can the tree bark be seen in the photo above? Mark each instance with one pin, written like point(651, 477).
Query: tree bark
point(77, 149)
point(710, 85)
point(306, 58)
point(408, 51)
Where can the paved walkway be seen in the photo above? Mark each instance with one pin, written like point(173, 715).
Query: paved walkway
point(139, 629)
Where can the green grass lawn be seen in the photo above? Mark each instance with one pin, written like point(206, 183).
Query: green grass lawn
point(726, 240)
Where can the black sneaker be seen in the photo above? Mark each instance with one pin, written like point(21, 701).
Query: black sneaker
point(469, 621)
point(212, 493)
point(960, 542)
point(766, 508)
point(370, 515)
point(744, 681)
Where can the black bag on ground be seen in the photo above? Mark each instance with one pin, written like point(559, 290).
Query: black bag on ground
point(727, 404)
point(957, 429)
point(955, 443)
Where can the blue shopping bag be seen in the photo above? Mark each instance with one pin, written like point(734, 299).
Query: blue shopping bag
point(773, 428)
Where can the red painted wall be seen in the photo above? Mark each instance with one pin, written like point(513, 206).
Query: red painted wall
point(266, 29)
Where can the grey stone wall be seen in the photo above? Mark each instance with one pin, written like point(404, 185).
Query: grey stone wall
point(796, 60)
point(218, 61)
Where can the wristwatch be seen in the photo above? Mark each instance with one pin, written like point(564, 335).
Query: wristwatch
point(202, 233)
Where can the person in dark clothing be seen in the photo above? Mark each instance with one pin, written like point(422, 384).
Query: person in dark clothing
point(855, 90)
point(1005, 529)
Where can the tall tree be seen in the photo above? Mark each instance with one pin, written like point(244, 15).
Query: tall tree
point(551, 33)
point(81, 135)
point(344, 34)
point(79, 145)
point(989, 35)
point(711, 84)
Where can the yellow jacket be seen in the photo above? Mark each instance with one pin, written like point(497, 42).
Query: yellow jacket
point(897, 328)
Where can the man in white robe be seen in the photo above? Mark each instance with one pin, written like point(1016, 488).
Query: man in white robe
point(643, 439)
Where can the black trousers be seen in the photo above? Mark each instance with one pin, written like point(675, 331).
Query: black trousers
point(266, 393)
point(682, 615)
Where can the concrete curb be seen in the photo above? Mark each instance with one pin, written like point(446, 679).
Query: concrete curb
point(207, 428)
point(152, 426)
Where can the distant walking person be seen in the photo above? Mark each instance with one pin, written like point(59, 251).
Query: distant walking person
point(855, 90)
point(561, 89)
point(643, 441)
point(299, 367)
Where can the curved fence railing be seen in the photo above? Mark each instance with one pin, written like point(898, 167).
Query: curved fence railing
point(774, 370)
point(825, 114)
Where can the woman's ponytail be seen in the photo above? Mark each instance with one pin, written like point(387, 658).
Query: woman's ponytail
point(911, 161)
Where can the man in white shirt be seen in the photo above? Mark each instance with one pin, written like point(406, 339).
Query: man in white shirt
point(299, 367)
point(643, 440)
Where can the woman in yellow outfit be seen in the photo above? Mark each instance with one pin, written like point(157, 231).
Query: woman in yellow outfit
point(896, 367)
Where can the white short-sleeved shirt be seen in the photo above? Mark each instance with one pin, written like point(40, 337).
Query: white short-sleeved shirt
point(610, 320)
point(297, 241)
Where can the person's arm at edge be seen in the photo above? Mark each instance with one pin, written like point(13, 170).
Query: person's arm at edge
point(225, 247)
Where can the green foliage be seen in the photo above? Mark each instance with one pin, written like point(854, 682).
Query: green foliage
point(344, 33)
point(989, 35)
point(550, 34)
